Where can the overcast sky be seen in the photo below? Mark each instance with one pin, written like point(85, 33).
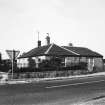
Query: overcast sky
point(81, 22)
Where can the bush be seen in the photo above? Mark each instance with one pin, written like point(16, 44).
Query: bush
point(77, 66)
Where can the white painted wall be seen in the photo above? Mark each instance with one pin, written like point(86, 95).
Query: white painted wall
point(22, 63)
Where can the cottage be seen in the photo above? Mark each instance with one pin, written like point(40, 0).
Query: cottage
point(65, 55)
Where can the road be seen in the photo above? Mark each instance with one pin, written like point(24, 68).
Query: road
point(57, 92)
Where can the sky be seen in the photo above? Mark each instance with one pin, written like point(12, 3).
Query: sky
point(81, 22)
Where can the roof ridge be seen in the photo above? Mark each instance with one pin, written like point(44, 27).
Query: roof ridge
point(46, 52)
point(70, 50)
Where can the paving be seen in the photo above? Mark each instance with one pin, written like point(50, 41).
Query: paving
point(93, 102)
point(20, 81)
point(59, 91)
point(14, 81)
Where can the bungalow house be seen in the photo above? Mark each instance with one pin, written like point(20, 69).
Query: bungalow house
point(68, 56)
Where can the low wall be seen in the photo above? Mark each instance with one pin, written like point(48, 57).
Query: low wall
point(47, 74)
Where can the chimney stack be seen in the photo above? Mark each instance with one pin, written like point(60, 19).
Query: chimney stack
point(39, 43)
point(47, 39)
point(70, 44)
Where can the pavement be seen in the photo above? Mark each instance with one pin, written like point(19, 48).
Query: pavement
point(100, 101)
point(93, 102)
point(96, 102)
point(20, 81)
point(75, 90)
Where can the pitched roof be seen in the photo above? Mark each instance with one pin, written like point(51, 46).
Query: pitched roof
point(49, 50)
point(55, 50)
point(83, 51)
point(35, 52)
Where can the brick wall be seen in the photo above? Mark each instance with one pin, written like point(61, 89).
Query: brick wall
point(47, 74)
